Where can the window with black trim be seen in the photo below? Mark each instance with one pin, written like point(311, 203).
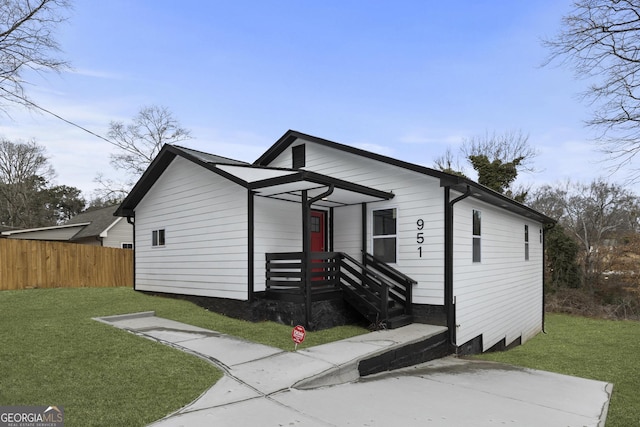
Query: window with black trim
point(157, 237)
point(127, 245)
point(315, 224)
point(298, 156)
point(526, 242)
point(477, 234)
point(384, 234)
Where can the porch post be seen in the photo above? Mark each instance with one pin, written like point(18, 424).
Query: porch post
point(306, 257)
point(306, 247)
point(363, 233)
point(250, 246)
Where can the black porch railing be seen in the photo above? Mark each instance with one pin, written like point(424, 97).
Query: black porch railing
point(400, 285)
point(285, 274)
point(378, 291)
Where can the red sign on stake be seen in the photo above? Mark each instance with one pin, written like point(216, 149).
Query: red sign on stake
point(297, 335)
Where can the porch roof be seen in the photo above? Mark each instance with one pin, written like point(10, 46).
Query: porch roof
point(288, 185)
point(276, 183)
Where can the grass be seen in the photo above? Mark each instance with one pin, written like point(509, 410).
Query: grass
point(604, 350)
point(53, 353)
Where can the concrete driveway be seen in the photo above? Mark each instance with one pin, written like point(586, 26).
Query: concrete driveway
point(320, 386)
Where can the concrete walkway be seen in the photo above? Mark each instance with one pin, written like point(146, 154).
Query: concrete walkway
point(265, 386)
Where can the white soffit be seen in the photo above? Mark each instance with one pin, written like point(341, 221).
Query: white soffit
point(251, 174)
point(292, 191)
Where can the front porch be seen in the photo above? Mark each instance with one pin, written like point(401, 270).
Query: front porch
point(316, 274)
point(377, 291)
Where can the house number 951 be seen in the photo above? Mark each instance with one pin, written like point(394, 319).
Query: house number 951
point(420, 235)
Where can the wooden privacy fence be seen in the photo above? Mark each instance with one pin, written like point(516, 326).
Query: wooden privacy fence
point(28, 264)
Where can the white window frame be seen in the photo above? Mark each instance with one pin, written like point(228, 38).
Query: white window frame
point(526, 242)
point(158, 238)
point(384, 236)
point(122, 244)
point(476, 237)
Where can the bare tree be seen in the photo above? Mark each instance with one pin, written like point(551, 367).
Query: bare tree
point(449, 163)
point(600, 41)
point(497, 158)
point(508, 147)
point(24, 171)
point(27, 43)
point(596, 214)
point(138, 143)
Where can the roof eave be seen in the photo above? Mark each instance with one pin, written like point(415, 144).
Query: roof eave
point(446, 179)
point(481, 192)
point(53, 227)
point(164, 158)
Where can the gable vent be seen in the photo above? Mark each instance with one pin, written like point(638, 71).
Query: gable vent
point(298, 156)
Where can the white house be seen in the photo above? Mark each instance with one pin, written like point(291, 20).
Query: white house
point(312, 220)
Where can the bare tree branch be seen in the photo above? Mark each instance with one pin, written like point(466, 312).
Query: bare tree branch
point(505, 147)
point(138, 143)
point(593, 213)
point(449, 163)
point(24, 172)
point(600, 41)
point(27, 42)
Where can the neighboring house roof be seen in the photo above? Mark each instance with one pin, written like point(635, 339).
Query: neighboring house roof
point(89, 224)
point(99, 221)
point(53, 227)
point(6, 228)
point(270, 181)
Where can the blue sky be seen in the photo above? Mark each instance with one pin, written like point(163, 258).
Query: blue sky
point(402, 78)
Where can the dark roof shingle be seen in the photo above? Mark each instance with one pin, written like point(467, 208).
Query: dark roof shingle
point(100, 220)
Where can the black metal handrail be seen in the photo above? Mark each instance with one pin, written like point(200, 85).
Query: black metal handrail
point(372, 289)
point(402, 289)
point(394, 274)
point(373, 284)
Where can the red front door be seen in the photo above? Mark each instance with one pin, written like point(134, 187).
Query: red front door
point(318, 238)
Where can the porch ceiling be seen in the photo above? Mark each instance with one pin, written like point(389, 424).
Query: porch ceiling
point(287, 184)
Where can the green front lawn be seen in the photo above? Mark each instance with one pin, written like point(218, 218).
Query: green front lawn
point(53, 353)
point(604, 350)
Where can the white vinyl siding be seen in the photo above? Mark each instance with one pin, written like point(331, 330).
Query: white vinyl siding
point(205, 220)
point(347, 230)
point(277, 228)
point(417, 196)
point(120, 232)
point(501, 297)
